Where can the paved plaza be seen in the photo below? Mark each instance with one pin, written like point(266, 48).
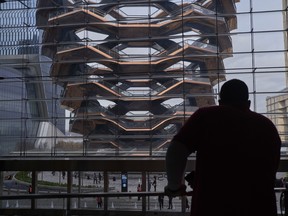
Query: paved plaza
point(90, 185)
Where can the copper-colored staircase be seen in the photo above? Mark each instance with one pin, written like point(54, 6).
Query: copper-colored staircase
point(149, 93)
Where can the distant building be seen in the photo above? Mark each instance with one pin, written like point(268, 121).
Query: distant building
point(277, 111)
point(277, 106)
point(28, 115)
point(18, 34)
point(29, 107)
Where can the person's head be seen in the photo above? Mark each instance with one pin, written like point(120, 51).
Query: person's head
point(234, 93)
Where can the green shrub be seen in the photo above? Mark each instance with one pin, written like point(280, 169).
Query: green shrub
point(23, 176)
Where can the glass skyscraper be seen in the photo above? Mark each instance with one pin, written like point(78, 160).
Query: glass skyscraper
point(26, 86)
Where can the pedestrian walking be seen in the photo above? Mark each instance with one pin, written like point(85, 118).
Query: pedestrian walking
point(99, 201)
point(95, 178)
point(139, 189)
point(154, 183)
point(63, 174)
point(170, 205)
point(149, 185)
point(30, 189)
point(161, 201)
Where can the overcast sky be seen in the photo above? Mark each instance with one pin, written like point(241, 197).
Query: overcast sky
point(262, 43)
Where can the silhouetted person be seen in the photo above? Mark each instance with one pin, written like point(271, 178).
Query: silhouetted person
point(161, 201)
point(139, 189)
point(63, 174)
point(95, 178)
point(170, 205)
point(235, 147)
point(154, 183)
point(99, 202)
point(30, 189)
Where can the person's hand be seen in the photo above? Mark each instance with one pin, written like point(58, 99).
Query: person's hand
point(181, 191)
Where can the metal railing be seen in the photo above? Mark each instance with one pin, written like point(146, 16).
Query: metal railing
point(140, 204)
point(77, 201)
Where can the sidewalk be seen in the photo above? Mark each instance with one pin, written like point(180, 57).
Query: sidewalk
point(114, 181)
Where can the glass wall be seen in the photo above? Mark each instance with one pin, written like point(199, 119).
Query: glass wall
point(120, 78)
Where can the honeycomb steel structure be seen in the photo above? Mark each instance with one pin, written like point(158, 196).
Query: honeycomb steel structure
point(133, 71)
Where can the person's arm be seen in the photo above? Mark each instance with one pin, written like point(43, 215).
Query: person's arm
point(182, 145)
point(176, 158)
point(276, 143)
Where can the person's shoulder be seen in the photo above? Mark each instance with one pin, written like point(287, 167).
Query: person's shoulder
point(208, 108)
point(258, 115)
point(260, 118)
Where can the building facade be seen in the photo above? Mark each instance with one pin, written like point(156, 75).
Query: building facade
point(25, 108)
point(277, 105)
point(134, 71)
point(277, 108)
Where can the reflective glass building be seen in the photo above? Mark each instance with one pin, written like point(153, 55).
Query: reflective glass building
point(26, 88)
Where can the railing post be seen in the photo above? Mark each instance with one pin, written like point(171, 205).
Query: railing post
point(106, 187)
point(69, 189)
point(285, 202)
point(149, 189)
point(144, 189)
point(79, 185)
point(1, 187)
point(183, 204)
point(34, 188)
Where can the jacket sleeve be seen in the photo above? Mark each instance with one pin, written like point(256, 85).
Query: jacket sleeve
point(182, 145)
point(176, 159)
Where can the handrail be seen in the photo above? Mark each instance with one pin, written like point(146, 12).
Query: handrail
point(101, 194)
point(69, 209)
point(82, 195)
